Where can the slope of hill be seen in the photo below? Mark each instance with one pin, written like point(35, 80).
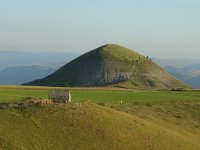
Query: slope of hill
point(85, 126)
point(20, 75)
point(111, 65)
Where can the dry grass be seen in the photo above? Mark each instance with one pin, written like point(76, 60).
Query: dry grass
point(86, 126)
point(145, 120)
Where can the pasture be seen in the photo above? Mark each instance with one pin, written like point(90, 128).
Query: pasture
point(100, 95)
point(152, 119)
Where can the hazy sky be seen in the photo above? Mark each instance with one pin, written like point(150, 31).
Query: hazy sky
point(158, 28)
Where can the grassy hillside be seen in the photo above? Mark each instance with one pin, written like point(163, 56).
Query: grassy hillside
point(150, 75)
point(86, 126)
point(145, 120)
point(112, 65)
point(120, 53)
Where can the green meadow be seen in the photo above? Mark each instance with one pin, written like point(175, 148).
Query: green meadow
point(101, 118)
point(100, 95)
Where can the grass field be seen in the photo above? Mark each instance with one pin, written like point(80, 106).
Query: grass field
point(146, 120)
point(100, 95)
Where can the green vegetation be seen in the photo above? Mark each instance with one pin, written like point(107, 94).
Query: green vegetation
point(112, 65)
point(101, 95)
point(127, 97)
point(145, 120)
point(86, 126)
point(16, 95)
point(120, 53)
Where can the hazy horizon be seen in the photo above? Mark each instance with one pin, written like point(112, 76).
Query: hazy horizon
point(163, 29)
point(78, 53)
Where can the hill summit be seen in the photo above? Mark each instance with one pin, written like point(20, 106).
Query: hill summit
point(111, 65)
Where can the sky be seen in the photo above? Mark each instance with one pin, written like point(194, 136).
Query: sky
point(157, 28)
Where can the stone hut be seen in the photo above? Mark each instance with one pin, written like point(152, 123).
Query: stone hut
point(59, 96)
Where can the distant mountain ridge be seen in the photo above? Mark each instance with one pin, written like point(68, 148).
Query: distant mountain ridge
point(189, 75)
point(186, 70)
point(176, 62)
point(22, 74)
point(111, 65)
point(15, 59)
